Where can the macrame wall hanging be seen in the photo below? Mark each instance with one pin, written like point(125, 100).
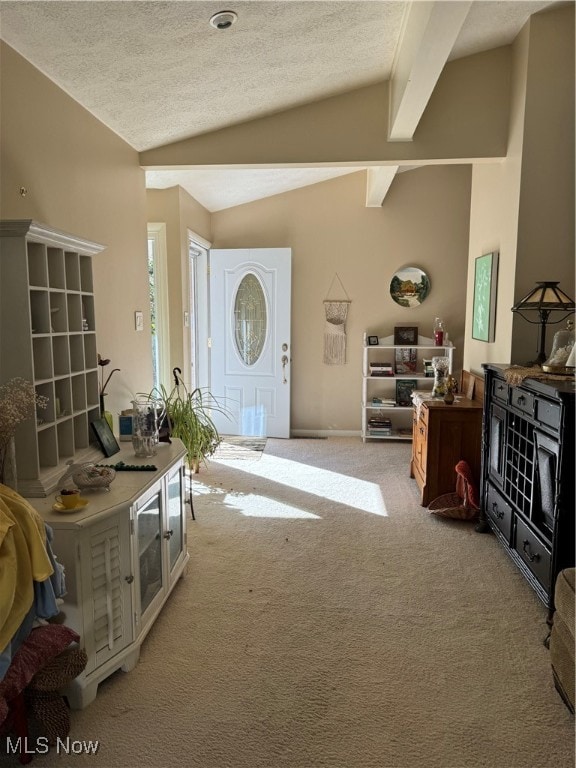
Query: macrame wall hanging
point(335, 328)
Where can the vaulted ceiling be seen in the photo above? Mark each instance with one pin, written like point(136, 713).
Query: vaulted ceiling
point(158, 72)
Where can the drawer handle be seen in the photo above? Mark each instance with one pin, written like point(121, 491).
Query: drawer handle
point(521, 400)
point(500, 387)
point(421, 430)
point(534, 557)
point(129, 579)
point(497, 512)
point(168, 534)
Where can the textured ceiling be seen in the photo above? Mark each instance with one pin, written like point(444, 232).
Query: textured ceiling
point(157, 72)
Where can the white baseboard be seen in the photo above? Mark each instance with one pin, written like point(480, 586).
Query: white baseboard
point(325, 433)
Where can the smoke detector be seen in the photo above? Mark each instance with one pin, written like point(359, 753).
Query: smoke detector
point(223, 19)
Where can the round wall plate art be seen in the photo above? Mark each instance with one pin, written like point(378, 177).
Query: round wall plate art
point(409, 286)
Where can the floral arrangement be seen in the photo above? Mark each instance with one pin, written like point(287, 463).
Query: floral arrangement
point(18, 402)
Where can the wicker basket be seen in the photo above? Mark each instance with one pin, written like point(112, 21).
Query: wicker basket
point(89, 477)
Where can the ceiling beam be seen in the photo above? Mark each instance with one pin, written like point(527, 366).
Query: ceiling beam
point(378, 183)
point(428, 35)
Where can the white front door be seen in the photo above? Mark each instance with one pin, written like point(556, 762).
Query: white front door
point(250, 293)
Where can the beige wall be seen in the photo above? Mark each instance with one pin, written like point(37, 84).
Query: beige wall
point(494, 223)
point(81, 178)
point(180, 213)
point(424, 222)
point(546, 221)
point(524, 206)
point(467, 117)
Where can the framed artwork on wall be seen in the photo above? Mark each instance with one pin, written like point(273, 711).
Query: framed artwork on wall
point(485, 290)
point(373, 341)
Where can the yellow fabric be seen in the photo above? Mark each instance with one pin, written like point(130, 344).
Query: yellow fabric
point(23, 559)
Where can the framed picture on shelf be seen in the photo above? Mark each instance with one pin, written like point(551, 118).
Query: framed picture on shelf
point(404, 389)
point(406, 335)
point(373, 341)
point(105, 437)
point(406, 360)
point(484, 307)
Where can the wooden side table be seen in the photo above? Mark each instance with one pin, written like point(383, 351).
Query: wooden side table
point(442, 436)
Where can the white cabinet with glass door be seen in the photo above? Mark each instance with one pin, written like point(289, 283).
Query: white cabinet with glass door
point(122, 554)
point(159, 545)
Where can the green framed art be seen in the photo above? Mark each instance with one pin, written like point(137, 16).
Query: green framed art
point(485, 290)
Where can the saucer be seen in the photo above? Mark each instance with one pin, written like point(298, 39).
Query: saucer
point(58, 507)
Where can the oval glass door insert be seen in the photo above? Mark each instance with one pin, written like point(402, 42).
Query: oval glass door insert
point(250, 319)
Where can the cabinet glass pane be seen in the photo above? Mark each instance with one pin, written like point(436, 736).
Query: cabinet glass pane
point(150, 551)
point(250, 319)
point(175, 512)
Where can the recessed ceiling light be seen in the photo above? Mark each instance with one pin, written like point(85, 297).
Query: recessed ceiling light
point(223, 19)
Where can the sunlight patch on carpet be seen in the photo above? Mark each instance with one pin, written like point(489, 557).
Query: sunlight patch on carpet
point(251, 504)
point(335, 486)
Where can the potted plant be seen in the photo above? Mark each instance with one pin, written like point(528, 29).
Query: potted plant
point(187, 416)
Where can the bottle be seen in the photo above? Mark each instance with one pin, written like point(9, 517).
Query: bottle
point(438, 332)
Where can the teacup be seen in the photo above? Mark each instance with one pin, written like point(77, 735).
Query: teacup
point(69, 499)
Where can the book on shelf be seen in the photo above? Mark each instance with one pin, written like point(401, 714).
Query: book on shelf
point(383, 402)
point(428, 369)
point(406, 360)
point(379, 423)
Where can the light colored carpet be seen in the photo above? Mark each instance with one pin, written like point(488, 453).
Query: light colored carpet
point(329, 621)
point(238, 447)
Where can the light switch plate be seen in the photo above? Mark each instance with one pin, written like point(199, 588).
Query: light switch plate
point(139, 320)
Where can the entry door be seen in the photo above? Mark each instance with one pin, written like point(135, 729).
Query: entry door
point(250, 330)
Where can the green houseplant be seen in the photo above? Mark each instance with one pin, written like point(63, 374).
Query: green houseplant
point(187, 416)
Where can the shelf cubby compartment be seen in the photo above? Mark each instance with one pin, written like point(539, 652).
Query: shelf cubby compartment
point(88, 318)
point(61, 355)
point(86, 283)
point(90, 353)
point(56, 278)
point(74, 304)
point(65, 433)
point(48, 414)
point(47, 447)
point(81, 431)
point(37, 270)
point(78, 393)
point(72, 271)
point(92, 390)
point(76, 347)
point(58, 322)
point(63, 397)
point(42, 353)
point(39, 311)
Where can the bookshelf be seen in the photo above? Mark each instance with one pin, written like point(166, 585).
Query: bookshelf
point(389, 373)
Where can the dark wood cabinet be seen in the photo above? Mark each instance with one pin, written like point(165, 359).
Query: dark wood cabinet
point(527, 492)
point(442, 436)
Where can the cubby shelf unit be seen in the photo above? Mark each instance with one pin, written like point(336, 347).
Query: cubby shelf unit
point(48, 337)
point(385, 386)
